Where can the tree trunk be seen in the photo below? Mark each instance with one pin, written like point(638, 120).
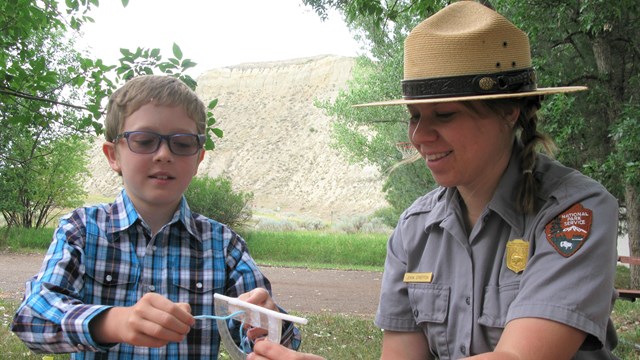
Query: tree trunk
point(611, 64)
point(633, 226)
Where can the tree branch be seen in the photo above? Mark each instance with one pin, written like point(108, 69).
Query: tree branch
point(19, 94)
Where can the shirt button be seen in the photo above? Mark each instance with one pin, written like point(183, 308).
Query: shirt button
point(152, 288)
point(108, 278)
point(80, 347)
point(463, 350)
point(468, 300)
point(154, 248)
point(199, 285)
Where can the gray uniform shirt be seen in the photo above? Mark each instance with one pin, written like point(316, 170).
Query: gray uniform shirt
point(458, 288)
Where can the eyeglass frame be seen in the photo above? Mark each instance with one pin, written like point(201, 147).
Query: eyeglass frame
point(200, 138)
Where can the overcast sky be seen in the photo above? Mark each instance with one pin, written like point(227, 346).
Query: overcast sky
point(216, 33)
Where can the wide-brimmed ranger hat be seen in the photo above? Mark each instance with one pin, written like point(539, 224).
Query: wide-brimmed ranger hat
point(467, 51)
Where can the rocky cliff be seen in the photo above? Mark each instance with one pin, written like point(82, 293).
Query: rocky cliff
point(276, 143)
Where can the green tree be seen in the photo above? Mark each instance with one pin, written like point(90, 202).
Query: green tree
point(592, 42)
point(597, 43)
point(39, 177)
point(51, 93)
point(370, 135)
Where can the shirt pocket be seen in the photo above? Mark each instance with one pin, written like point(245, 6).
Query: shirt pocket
point(430, 307)
point(112, 284)
point(429, 303)
point(496, 303)
point(194, 283)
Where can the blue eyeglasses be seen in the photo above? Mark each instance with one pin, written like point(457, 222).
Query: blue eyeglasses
point(147, 142)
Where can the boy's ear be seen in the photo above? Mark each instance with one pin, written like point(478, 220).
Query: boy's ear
point(200, 158)
point(109, 150)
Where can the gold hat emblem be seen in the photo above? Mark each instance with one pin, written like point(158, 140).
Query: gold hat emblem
point(517, 255)
point(486, 83)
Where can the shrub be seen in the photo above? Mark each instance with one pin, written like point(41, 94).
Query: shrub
point(215, 198)
point(388, 215)
point(362, 224)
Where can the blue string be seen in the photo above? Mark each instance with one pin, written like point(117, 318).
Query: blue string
point(214, 317)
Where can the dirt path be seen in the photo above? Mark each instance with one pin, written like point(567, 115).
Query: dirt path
point(301, 290)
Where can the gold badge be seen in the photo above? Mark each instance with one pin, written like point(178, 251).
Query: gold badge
point(418, 277)
point(517, 255)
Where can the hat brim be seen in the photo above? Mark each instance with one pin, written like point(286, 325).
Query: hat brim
point(537, 92)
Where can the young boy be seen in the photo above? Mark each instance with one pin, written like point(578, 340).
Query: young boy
point(125, 280)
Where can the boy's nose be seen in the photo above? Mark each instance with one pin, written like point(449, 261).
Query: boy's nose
point(163, 152)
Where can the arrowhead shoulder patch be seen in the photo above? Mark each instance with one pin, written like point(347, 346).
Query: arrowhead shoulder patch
point(568, 231)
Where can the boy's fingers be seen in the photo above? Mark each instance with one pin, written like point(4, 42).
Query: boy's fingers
point(177, 316)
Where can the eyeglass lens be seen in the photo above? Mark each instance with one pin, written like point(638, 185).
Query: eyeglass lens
point(143, 142)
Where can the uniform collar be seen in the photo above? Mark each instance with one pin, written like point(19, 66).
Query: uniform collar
point(440, 202)
point(505, 199)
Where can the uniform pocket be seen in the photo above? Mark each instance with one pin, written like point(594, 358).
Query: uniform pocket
point(429, 302)
point(497, 300)
point(430, 306)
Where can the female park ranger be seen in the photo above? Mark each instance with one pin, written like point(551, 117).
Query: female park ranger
point(513, 256)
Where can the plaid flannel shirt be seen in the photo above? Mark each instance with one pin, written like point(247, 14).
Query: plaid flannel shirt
point(104, 256)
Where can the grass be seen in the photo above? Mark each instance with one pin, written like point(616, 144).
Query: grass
point(314, 249)
point(329, 335)
point(25, 240)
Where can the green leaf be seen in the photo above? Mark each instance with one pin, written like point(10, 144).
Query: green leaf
point(176, 51)
point(187, 64)
point(209, 144)
point(212, 104)
point(219, 133)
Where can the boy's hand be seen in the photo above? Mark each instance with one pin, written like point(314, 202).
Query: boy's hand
point(260, 297)
point(153, 321)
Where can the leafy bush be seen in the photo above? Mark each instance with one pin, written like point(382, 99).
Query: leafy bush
point(388, 215)
point(215, 198)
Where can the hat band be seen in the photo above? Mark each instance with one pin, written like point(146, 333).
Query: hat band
point(468, 85)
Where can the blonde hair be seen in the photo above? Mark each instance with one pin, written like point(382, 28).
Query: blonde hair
point(157, 89)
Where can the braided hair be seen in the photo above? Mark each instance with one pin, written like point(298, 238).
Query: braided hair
point(531, 139)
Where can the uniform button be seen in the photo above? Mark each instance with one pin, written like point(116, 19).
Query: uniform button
point(199, 285)
point(468, 300)
point(108, 278)
point(463, 350)
point(152, 288)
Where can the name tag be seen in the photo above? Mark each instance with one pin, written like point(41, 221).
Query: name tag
point(418, 277)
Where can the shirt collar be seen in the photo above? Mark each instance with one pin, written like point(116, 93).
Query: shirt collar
point(505, 199)
point(504, 202)
point(124, 215)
